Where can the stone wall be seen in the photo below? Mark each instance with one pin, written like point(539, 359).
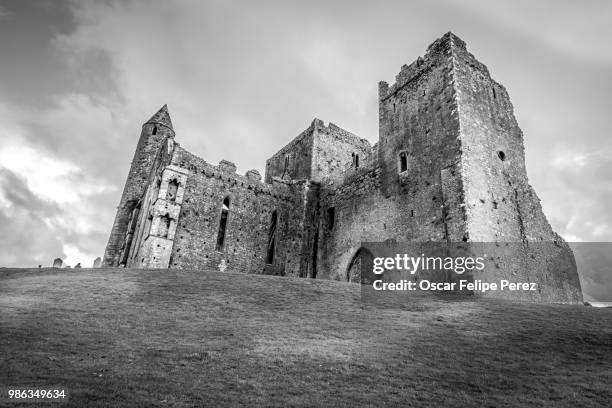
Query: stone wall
point(160, 219)
point(251, 206)
point(459, 182)
point(418, 120)
point(320, 152)
point(336, 151)
point(362, 213)
point(500, 205)
point(294, 161)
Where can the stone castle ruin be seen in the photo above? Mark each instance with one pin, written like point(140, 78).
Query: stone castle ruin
point(449, 166)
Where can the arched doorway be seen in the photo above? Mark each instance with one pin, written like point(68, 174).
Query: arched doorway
point(363, 257)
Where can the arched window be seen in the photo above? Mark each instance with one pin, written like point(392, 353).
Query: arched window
point(164, 226)
point(331, 217)
point(272, 238)
point(154, 130)
point(286, 167)
point(403, 162)
point(355, 160)
point(172, 190)
point(223, 224)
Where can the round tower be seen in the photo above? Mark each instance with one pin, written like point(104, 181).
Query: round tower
point(154, 133)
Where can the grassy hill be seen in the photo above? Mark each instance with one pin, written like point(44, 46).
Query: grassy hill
point(199, 338)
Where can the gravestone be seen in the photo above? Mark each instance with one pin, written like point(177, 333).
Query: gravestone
point(97, 262)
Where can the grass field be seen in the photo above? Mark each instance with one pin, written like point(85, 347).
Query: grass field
point(137, 338)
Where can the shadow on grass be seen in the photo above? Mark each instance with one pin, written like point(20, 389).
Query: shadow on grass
point(192, 338)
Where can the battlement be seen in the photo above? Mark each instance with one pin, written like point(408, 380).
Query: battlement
point(225, 173)
point(439, 52)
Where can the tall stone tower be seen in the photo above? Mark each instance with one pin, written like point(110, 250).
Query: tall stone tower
point(500, 205)
point(154, 133)
point(419, 141)
point(451, 146)
point(446, 121)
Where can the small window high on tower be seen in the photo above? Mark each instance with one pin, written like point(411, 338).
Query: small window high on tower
point(403, 162)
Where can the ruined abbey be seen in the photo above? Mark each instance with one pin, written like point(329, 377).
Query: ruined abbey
point(448, 166)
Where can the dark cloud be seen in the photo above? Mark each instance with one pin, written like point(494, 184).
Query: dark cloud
point(26, 238)
point(32, 70)
point(15, 190)
point(243, 78)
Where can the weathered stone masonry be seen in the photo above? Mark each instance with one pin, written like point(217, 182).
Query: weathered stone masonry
point(448, 166)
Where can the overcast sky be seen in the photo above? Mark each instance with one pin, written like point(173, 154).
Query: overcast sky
point(242, 78)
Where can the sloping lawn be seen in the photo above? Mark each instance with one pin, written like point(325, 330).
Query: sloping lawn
point(140, 338)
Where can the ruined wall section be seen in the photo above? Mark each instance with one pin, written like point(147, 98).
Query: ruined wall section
point(351, 213)
point(500, 204)
point(358, 211)
point(252, 204)
point(423, 202)
point(294, 161)
point(143, 227)
point(140, 225)
point(153, 135)
point(151, 230)
point(308, 222)
point(374, 161)
point(320, 152)
point(337, 151)
point(165, 200)
point(419, 121)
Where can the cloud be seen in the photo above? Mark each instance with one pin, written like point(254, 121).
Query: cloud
point(577, 190)
point(5, 13)
point(16, 195)
point(243, 78)
point(27, 238)
point(577, 31)
point(41, 190)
